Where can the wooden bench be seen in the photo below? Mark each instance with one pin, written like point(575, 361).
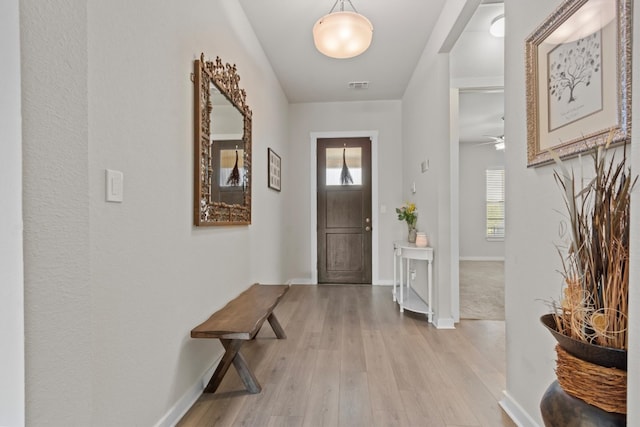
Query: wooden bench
point(237, 322)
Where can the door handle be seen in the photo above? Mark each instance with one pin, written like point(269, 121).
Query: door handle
point(367, 228)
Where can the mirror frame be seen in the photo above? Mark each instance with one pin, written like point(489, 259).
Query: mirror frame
point(226, 79)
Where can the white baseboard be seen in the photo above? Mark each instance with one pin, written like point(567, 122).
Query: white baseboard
point(516, 412)
point(177, 411)
point(444, 323)
point(388, 282)
point(481, 258)
point(300, 282)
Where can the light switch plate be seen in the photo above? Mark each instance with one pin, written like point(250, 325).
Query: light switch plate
point(115, 186)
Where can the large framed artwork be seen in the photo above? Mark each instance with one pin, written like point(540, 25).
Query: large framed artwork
point(579, 79)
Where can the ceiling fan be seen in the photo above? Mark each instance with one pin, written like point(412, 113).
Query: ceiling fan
point(498, 141)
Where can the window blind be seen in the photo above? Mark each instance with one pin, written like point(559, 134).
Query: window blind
point(495, 204)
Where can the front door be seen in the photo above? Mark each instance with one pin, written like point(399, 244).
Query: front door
point(344, 210)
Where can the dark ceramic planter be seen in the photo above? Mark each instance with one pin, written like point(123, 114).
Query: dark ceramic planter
point(597, 354)
point(560, 409)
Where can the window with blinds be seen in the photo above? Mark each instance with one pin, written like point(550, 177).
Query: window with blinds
point(495, 204)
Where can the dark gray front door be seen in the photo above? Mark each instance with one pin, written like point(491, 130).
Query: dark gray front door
point(344, 210)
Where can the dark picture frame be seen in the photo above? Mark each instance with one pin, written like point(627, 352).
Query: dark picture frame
point(274, 179)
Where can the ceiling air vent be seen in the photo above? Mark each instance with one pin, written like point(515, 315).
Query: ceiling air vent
point(359, 85)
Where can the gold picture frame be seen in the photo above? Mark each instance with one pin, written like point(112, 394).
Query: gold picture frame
point(578, 75)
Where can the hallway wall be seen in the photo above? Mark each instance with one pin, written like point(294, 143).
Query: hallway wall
point(427, 135)
point(633, 368)
point(113, 289)
point(474, 161)
point(533, 217)
point(12, 368)
point(381, 116)
point(57, 287)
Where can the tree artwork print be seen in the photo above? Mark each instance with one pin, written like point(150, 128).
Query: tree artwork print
point(575, 80)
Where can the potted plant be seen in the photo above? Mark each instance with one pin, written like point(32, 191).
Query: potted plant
point(590, 320)
point(409, 213)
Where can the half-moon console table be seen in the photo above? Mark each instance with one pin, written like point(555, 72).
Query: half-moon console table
point(407, 298)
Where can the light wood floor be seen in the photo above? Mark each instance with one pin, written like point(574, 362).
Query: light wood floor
point(351, 359)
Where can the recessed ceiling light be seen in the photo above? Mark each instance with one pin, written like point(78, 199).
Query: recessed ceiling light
point(497, 26)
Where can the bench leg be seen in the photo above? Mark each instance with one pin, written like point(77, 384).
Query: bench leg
point(275, 325)
point(233, 355)
point(250, 381)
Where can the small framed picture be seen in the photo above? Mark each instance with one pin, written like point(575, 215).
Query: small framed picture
point(275, 170)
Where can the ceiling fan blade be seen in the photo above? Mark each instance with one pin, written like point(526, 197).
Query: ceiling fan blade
point(495, 138)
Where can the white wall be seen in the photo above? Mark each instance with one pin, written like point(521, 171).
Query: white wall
point(114, 289)
point(426, 136)
point(426, 133)
point(531, 260)
point(474, 161)
point(11, 264)
point(633, 368)
point(532, 216)
point(381, 116)
point(56, 212)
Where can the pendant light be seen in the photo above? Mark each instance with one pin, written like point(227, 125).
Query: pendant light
point(342, 34)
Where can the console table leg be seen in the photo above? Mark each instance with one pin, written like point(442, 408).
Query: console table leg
point(429, 285)
point(395, 277)
point(401, 287)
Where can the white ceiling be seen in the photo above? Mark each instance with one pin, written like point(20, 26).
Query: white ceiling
point(401, 31)
point(476, 65)
point(480, 116)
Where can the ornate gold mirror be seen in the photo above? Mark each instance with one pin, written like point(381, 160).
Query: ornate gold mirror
point(222, 150)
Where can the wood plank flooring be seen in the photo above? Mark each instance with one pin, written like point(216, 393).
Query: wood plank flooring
point(351, 359)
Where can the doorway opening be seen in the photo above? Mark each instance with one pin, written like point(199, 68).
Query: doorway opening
point(477, 80)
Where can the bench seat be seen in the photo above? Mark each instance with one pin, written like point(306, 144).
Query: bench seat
point(237, 322)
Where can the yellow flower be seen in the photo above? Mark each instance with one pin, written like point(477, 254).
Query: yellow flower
point(408, 213)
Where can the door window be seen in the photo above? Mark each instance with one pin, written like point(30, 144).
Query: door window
point(344, 166)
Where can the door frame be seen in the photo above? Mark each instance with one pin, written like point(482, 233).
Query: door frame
point(313, 232)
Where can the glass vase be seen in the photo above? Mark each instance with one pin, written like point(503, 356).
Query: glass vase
point(412, 233)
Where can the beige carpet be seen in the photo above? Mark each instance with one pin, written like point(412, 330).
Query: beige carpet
point(482, 290)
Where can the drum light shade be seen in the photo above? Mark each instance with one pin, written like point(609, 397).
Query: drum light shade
point(342, 34)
